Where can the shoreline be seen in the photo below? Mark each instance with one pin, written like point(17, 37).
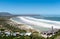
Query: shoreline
point(39, 23)
point(36, 23)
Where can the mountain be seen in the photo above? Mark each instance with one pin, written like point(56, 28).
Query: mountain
point(5, 14)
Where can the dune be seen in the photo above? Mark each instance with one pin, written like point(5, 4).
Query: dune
point(25, 26)
point(16, 21)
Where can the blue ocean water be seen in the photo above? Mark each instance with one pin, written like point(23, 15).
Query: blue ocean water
point(54, 18)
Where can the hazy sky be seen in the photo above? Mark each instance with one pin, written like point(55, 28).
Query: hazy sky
point(30, 6)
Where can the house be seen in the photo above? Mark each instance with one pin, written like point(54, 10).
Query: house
point(7, 33)
point(26, 34)
point(49, 33)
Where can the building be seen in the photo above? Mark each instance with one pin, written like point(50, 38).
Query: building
point(48, 33)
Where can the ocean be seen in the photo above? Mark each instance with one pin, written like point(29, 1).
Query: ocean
point(54, 18)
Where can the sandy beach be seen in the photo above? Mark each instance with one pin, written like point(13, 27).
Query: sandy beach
point(23, 26)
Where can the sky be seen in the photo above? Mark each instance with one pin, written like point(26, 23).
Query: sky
point(44, 7)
